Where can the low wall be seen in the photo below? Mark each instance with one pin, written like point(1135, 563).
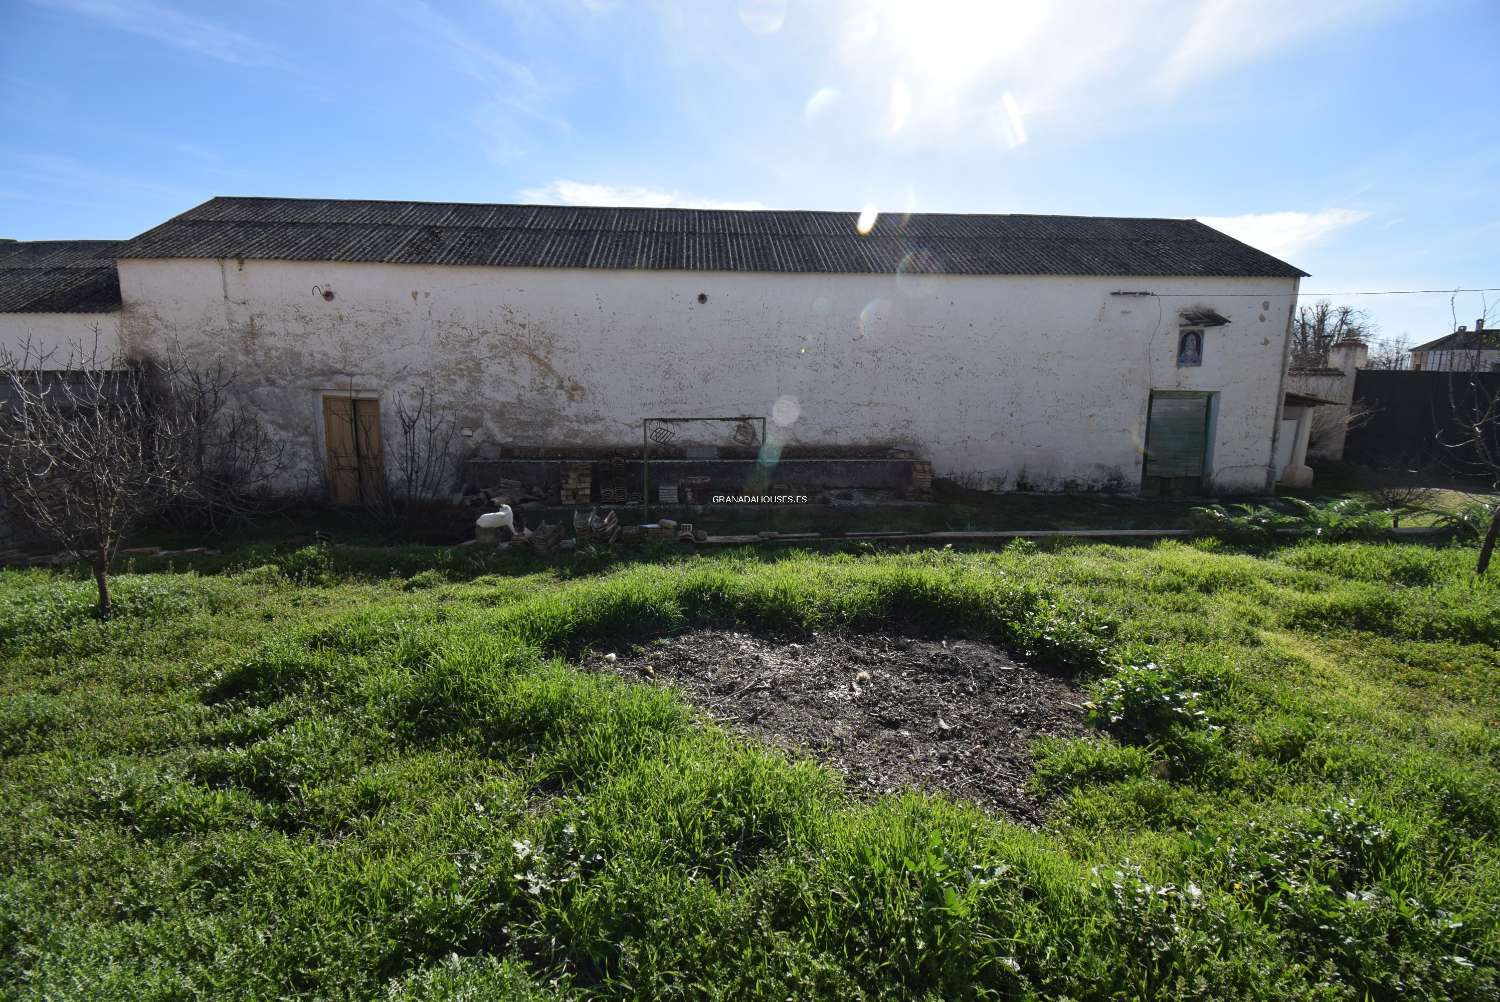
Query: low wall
point(724, 476)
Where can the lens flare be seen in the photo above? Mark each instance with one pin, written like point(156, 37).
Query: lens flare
point(866, 221)
point(875, 317)
point(785, 411)
point(770, 453)
point(900, 107)
point(914, 275)
point(819, 102)
point(1007, 121)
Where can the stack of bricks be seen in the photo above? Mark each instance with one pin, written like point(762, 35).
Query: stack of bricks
point(577, 484)
point(921, 480)
point(612, 491)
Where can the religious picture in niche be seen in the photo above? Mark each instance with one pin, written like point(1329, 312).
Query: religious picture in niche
point(1190, 348)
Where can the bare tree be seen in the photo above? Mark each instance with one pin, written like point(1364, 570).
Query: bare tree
point(85, 454)
point(1320, 326)
point(1390, 353)
point(1473, 440)
point(92, 448)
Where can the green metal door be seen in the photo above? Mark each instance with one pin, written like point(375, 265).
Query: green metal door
point(1176, 442)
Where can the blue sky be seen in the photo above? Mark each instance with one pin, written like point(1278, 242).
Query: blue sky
point(1358, 140)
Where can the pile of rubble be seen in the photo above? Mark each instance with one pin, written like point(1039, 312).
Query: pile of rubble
point(589, 528)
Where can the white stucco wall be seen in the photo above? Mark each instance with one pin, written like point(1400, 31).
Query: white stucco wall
point(1030, 380)
point(1467, 360)
point(65, 340)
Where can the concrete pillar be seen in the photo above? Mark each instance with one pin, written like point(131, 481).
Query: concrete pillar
point(1348, 357)
point(1297, 473)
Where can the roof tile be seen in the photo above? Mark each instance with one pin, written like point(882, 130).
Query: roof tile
point(547, 236)
point(58, 276)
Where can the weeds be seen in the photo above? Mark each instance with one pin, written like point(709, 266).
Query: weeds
point(372, 774)
point(1470, 520)
point(1258, 525)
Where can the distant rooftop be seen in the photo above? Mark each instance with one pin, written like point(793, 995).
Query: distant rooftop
point(58, 276)
point(550, 236)
point(1464, 339)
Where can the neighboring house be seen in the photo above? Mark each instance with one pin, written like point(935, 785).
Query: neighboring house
point(59, 302)
point(1049, 352)
point(1464, 350)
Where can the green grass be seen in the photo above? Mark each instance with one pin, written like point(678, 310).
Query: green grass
point(367, 773)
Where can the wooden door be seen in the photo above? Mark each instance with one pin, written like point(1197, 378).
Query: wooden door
point(1176, 442)
point(356, 469)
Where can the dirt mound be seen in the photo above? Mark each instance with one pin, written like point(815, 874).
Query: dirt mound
point(890, 712)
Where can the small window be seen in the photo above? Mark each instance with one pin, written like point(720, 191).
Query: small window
point(1189, 347)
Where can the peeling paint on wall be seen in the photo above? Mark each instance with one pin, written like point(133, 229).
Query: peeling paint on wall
point(1035, 380)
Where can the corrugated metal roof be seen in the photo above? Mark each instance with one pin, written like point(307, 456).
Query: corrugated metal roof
point(551, 236)
point(58, 276)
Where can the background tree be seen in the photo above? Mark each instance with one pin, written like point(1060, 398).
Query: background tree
point(1321, 325)
point(1390, 353)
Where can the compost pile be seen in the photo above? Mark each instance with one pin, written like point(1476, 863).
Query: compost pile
point(890, 712)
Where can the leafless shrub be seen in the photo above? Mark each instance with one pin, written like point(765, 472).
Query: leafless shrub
point(229, 459)
point(1330, 424)
point(1404, 496)
point(419, 468)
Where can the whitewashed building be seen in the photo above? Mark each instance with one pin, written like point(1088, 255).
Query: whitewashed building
point(1012, 352)
point(59, 302)
point(1464, 350)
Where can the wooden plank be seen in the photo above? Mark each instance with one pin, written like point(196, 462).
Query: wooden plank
point(342, 453)
point(370, 449)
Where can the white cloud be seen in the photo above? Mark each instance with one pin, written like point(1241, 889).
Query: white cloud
point(566, 192)
point(164, 24)
point(1074, 66)
point(1224, 33)
point(58, 172)
point(764, 17)
point(515, 112)
point(1285, 234)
